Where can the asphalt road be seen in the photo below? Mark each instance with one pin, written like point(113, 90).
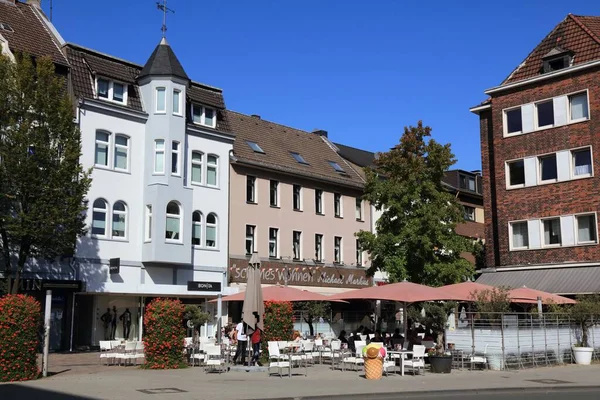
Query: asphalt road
point(487, 394)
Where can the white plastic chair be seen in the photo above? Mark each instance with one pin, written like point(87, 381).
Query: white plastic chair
point(333, 352)
point(276, 360)
point(128, 355)
point(389, 364)
point(417, 361)
point(355, 359)
point(307, 351)
point(479, 358)
point(139, 351)
point(105, 351)
point(214, 359)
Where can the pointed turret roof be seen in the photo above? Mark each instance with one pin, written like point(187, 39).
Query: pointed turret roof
point(163, 62)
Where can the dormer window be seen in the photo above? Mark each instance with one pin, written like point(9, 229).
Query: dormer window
point(111, 90)
point(556, 59)
point(337, 167)
point(204, 115)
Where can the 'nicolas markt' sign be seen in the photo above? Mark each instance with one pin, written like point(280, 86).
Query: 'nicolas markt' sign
point(302, 275)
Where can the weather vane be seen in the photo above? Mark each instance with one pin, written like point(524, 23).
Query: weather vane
point(163, 7)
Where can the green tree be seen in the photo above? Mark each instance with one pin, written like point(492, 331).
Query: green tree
point(491, 303)
point(415, 237)
point(197, 317)
point(311, 310)
point(42, 184)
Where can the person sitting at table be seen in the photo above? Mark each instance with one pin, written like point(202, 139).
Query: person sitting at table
point(397, 334)
point(342, 338)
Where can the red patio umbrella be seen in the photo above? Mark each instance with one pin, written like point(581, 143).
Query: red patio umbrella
point(464, 291)
point(405, 292)
point(282, 293)
point(527, 295)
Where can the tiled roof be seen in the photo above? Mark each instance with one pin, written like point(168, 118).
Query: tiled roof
point(30, 35)
point(163, 61)
point(278, 141)
point(452, 179)
point(85, 63)
point(359, 157)
point(579, 34)
point(470, 229)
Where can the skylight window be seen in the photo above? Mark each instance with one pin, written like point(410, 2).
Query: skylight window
point(254, 146)
point(336, 166)
point(298, 158)
point(6, 27)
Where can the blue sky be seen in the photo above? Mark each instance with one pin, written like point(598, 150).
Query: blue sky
point(360, 71)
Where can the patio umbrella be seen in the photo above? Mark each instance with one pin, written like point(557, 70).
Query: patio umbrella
point(527, 295)
point(404, 292)
point(253, 297)
point(464, 291)
point(283, 293)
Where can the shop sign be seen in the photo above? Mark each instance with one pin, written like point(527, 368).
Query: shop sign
point(204, 286)
point(35, 285)
point(302, 275)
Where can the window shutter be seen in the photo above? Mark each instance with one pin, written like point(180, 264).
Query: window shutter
point(533, 228)
point(527, 117)
point(530, 164)
point(563, 165)
point(567, 230)
point(560, 110)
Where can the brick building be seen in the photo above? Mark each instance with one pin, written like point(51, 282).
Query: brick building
point(539, 136)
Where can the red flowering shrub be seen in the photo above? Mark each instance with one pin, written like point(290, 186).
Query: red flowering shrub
point(278, 322)
point(19, 323)
point(164, 334)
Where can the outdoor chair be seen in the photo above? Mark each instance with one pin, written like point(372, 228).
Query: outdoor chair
point(198, 354)
point(139, 351)
point(277, 360)
point(479, 358)
point(214, 359)
point(106, 351)
point(307, 351)
point(355, 359)
point(128, 354)
point(282, 344)
point(318, 349)
point(389, 364)
point(417, 361)
point(333, 352)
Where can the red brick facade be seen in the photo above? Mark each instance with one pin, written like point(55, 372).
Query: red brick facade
point(576, 196)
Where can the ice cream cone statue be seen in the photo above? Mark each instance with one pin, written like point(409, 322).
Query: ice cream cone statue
point(374, 354)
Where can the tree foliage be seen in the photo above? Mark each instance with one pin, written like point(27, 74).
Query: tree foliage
point(586, 313)
point(194, 313)
point(42, 183)
point(435, 318)
point(492, 302)
point(415, 237)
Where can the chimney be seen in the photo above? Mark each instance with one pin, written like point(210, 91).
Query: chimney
point(255, 116)
point(320, 132)
point(35, 3)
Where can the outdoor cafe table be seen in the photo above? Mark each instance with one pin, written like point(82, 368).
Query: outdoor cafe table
point(402, 356)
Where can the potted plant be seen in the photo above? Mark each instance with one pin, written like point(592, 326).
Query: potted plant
point(585, 314)
point(436, 318)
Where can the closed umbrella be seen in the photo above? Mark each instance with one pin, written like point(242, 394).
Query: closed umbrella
point(253, 297)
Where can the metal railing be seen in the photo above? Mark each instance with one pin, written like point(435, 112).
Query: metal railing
point(519, 340)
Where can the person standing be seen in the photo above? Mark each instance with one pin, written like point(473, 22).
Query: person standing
point(113, 323)
point(126, 318)
point(106, 318)
point(255, 339)
point(242, 345)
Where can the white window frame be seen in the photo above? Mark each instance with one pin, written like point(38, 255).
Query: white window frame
point(510, 235)
point(148, 227)
point(176, 152)
point(158, 151)
point(211, 225)
point(507, 174)
point(321, 256)
point(358, 208)
point(179, 96)
point(156, 91)
point(203, 115)
point(253, 238)
point(107, 219)
point(539, 169)
point(274, 241)
point(174, 216)
point(199, 164)
point(254, 199)
point(108, 149)
point(277, 201)
point(582, 176)
point(341, 198)
point(543, 234)
point(299, 258)
point(322, 212)
point(299, 197)
point(340, 259)
point(123, 148)
point(576, 224)
point(536, 117)
point(112, 221)
point(197, 224)
point(359, 254)
point(111, 83)
point(215, 166)
point(537, 128)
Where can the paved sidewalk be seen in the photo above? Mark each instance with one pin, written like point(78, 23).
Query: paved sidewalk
point(130, 383)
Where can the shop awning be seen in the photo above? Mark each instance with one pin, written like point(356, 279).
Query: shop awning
point(568, 280)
